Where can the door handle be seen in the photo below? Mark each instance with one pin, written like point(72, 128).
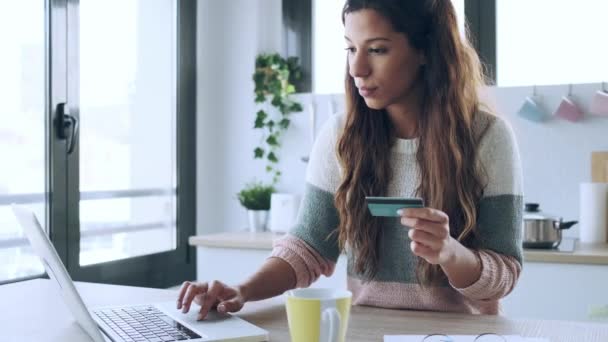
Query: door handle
point(66, 126)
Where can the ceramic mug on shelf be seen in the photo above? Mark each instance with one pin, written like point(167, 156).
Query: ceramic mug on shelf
point(599, 104)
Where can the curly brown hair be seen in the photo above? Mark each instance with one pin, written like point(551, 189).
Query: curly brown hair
point(449, 178)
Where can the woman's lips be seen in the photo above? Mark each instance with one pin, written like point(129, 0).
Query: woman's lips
point(366, 92)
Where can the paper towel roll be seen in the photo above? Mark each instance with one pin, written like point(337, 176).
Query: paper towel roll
point(594, 212)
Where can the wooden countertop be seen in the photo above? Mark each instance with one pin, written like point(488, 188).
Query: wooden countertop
point(52, 321)
point(246, 240)
point(591, 254)
point(371, 324)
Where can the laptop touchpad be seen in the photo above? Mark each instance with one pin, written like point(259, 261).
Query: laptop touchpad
point(215, 325)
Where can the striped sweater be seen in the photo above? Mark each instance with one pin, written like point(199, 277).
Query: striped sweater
point(311, 253)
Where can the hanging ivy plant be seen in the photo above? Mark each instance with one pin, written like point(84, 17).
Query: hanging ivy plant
point(275, 79)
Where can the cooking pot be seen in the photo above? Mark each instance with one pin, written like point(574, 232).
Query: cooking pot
point(542, 230)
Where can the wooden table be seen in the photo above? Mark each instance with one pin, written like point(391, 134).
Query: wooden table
point(33, 311)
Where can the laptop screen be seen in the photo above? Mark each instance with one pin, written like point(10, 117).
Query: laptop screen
point(43, 247)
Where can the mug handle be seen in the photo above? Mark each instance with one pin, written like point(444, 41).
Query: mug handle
point(330, 324)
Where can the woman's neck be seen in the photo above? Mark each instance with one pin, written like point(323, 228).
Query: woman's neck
point(405, 120)
point(405, 113)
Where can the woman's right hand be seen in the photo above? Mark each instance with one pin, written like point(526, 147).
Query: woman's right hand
point(208, 296)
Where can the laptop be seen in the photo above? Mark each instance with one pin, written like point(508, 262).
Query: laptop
point(150, 322)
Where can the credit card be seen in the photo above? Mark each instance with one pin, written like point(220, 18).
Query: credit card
point(388, 206)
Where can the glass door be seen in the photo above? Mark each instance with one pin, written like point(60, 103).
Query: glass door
point(23, 143)
point(127, 129)
point(131, 190)
point(97, 136)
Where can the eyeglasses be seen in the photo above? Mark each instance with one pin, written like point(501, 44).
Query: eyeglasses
point(485, 337)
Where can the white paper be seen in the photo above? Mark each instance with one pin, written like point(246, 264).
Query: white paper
point(593, 212)
point(460, 338)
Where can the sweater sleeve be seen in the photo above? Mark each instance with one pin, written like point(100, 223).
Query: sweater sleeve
point(306, 262)
point(311, 248)
point(500, 215)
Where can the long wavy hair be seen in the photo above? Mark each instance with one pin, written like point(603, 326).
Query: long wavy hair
point(446, 155)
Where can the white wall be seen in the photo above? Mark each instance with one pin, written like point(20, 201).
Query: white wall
point(229, 37)
point(555, 154)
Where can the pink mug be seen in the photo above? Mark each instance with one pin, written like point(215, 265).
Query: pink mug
point(599, 105)
point(568, 110)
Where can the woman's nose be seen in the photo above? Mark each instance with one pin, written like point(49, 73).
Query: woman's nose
point(358, 65)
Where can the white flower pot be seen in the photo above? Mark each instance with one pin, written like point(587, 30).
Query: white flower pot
point(257, 220)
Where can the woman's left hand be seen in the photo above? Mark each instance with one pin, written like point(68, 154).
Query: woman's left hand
point(430, 234)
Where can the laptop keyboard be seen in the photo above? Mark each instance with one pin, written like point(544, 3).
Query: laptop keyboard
point(144, 323)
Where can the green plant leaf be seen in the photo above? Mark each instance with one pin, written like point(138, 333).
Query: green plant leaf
point(258, 79)
point(276, 100)
point(295, 107)
point(275, 78)
point(270, 125)
point(260, 98)
point(258, 153)
point(272, 140)
point(260, 61)
point(272, 157)
point(256, 196)
point(284, 123)
point(259, 119)
point(283, 109)
point(275, 86)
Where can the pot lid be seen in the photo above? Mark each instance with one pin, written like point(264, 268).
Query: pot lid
point(532, 212)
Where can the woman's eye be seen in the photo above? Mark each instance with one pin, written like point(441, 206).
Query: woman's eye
point(350, 49)
point(377, 51)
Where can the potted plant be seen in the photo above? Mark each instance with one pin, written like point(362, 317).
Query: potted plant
point(255, 197)
point(275, 78)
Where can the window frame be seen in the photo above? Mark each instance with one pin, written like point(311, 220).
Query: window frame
point(62, 193)
point(480, 18)
point(297, 38)
point(163, 269)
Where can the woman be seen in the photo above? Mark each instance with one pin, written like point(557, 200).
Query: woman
point(414, 127)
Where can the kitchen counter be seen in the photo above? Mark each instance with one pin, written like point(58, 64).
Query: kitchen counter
point(590, 254)
point(546, 275)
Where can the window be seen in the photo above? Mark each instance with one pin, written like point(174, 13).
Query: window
point(551, 42)
point(22, 130)
point(118, 174)
point(122, 203)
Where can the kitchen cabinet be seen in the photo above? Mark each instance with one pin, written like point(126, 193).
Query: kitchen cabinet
point(553, 285)
point(234, 265)
point(560, 291)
